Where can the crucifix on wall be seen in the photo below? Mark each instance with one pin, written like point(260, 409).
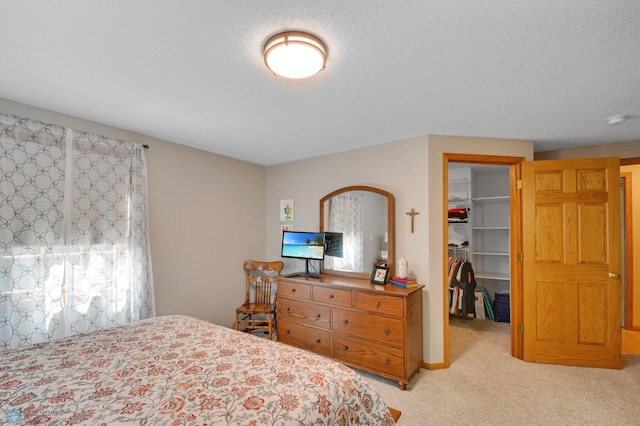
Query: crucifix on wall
point(413, 214)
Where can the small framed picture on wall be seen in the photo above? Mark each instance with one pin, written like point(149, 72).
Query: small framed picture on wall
point(379, 274)
point(286, 211)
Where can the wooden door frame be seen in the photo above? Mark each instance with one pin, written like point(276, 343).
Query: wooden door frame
point(628, 223)
point(515, 242)
point(628, 253)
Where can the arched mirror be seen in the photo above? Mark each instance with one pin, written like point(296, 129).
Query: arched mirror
point(358, 222)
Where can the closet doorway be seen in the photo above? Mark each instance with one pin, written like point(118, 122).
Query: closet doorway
point(484, 185)
point(478, 238)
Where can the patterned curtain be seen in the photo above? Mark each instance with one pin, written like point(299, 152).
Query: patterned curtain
point(346, 216)
point(74, 250)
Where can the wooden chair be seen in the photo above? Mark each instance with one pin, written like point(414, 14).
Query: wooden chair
point(259, 308)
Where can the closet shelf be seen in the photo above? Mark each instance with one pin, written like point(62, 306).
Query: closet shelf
point(485, 228)
point(496, 198)
point(489, 253)
point(458, 181)
point(458, 200)
point(492, 276)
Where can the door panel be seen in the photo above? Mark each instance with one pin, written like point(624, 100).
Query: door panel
point(571, 244)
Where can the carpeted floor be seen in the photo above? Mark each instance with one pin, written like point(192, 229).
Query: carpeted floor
point(485, 385)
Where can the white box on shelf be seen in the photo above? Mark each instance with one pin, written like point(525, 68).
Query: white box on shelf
point(479, 304)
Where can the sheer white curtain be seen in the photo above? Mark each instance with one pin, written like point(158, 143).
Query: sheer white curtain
point(346, 216)
point(74, 248)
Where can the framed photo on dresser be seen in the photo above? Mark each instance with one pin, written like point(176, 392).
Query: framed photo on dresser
point(379, 274)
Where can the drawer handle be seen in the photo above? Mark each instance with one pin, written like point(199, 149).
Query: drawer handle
point(331, 296)
point(318, 316)
point(288, 309)
point(293, 290)
point(344, 322)
point(386, 331)
point(317, 340)
point(377, 304)
point(345, 348)
point(288, 331)
point(386, 361)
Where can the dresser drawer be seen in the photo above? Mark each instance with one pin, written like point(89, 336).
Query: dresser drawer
point(388, 331)
point(385, 360)
point(379, 304)
point(294, 290)
point(305, 337)
point(304, 312)
point(331, 296)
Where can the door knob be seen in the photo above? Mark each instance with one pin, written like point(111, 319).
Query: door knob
point(613, 275)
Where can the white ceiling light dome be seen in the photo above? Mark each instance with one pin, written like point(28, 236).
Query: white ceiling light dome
point(295, 54)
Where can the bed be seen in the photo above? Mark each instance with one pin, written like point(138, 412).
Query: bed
point(177, 370)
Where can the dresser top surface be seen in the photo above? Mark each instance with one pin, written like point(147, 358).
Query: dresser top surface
point(353, 284)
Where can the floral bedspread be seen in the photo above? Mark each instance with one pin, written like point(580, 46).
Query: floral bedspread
point(177, 370)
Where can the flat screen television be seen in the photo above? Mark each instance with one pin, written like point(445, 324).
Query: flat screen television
point(333, 244)
point(303, 245)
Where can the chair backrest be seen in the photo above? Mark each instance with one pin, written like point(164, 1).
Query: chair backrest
point(263, 276)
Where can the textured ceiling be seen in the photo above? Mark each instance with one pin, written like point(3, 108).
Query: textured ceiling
point(192, 72)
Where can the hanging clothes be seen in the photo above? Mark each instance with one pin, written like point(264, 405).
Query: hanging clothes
point(462, 285)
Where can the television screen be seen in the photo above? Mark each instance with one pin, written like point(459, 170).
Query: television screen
point(303, 245)
point(333, 244)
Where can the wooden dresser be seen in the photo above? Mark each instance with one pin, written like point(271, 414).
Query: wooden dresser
point(376, 328)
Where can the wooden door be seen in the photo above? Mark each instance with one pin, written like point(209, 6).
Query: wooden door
point(571, 262)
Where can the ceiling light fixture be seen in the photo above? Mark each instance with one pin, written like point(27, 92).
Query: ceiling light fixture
point(295, 54)
point(616, 119)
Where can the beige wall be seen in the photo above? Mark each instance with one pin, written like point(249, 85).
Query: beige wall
point(207, 217)
point(206, 214)
point(411, 169)
point(628, 149)
point(397, 167)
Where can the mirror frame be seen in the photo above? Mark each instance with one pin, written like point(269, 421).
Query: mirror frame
point(390, 228)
